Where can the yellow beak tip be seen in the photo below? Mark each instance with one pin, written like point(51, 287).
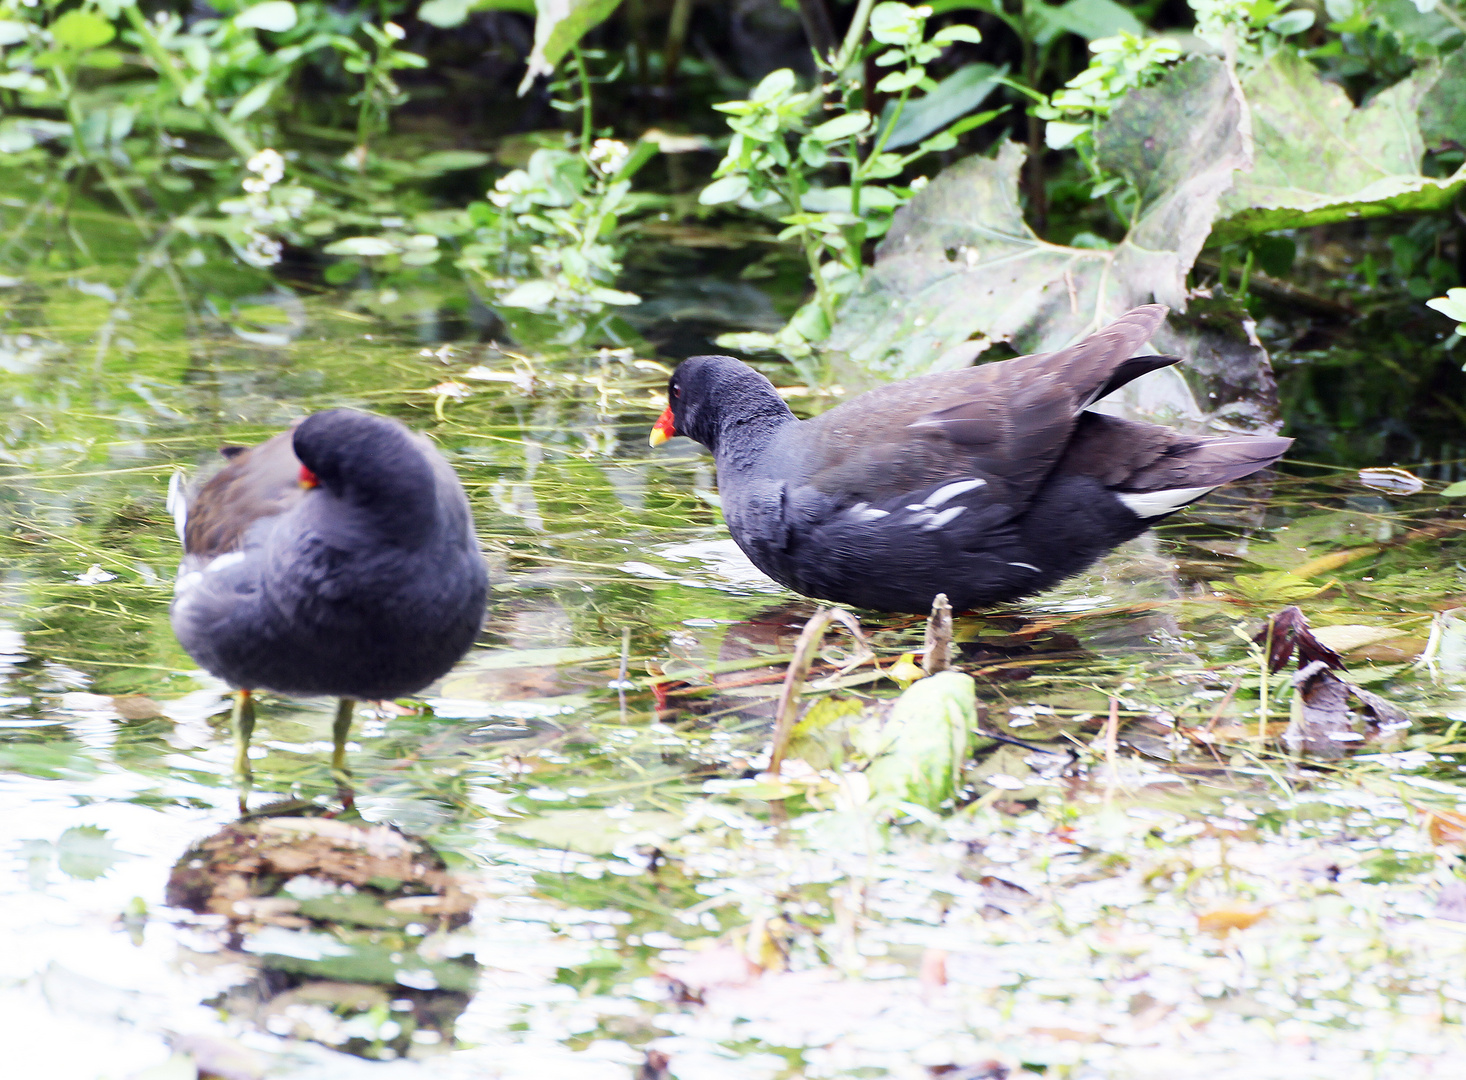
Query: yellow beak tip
point(657, 437)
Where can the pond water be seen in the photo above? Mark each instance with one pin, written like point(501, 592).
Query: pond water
point(1164, 893)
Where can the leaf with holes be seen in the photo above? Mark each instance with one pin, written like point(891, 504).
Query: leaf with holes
point(1319, 159)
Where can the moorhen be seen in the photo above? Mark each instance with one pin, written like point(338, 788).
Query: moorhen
point(987, 484)
point(337, 558)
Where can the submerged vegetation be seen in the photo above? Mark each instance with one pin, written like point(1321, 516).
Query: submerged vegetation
point(1198, 810)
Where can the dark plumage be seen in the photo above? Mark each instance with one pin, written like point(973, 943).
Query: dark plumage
point(986, 484)
point(337, 558)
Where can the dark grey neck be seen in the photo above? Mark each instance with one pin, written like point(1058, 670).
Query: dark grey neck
point(744, 433)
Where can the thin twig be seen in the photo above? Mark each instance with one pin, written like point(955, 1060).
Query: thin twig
point(804, 652)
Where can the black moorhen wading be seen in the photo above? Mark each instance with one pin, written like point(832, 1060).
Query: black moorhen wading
point(986, 484)
point(337, 558)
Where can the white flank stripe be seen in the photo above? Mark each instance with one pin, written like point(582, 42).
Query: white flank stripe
point(948, 491)
point(1149, 504)
point(224, 562)
point(938, 520)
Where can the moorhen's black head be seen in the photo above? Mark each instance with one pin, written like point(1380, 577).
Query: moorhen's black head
point(367, 460)
point(707, 393)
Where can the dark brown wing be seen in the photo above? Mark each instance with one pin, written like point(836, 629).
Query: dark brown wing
point(1134, 457)
point(258, 482)
point(1007, 422)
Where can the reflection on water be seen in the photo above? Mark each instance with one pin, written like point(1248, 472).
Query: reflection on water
point(346, 931)
point(560, 876)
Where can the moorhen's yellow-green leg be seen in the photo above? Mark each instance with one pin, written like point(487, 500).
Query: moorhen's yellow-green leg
point(339, 730)
point(242, 719)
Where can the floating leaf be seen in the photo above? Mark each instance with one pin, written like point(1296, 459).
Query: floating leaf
point(1319, 159)
point(1395, 481)
point(1342, 639)
point(960, 262)
point(86, 852)
point(1223, 920)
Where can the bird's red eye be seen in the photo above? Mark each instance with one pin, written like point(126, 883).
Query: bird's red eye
point(307, 478)
point(677, 391)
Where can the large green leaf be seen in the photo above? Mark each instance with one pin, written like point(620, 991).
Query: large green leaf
point(919, 750)
point(955, 96)
point(558, 27)
point(960, 269)
point(1443, 108)
point(1319, 159)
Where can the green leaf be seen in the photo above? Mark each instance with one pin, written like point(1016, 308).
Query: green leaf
point(897, 81)
point(841, 127)
point(918, 753)
point(956, 95)
point(450, 13)
point(1292, 22)
point(276, 16)
point(960, 266)
point(957, 32)
point(558, 27)
point(1090, 19)
point(253, 101)
point(895, 24)
point(728, 189)
point(445, 161)
point(1443, 108)
point(82, 30)
point(1318, 159)
point(1455, 491)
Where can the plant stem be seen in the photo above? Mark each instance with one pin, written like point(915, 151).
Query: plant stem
point(1451, 16)
point(853, 36)
point(1246, 280)
point(676, 35)
point(221, 124)
point(1263, 661)
point(587, 114)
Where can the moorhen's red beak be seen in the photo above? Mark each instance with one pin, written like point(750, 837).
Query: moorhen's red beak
point(664, 428)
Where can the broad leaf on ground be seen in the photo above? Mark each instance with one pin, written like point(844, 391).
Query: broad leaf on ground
point(961, 269)
point(1319, 159)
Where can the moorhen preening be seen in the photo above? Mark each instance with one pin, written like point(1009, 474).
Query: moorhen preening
point(337, 558)
point(987, 484)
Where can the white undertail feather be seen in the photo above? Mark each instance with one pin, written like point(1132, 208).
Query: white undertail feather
point(1149, 504)
point(177, 503)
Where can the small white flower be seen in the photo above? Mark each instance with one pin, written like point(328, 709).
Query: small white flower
point(269, 166)
point(94, 575)
point(608, 154)
point(395, 32)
